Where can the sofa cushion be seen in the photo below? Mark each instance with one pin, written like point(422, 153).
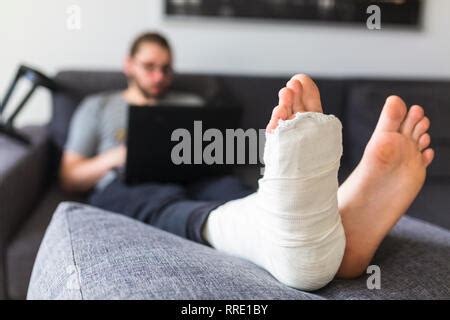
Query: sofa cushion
point(88, 253)
point(414, 264)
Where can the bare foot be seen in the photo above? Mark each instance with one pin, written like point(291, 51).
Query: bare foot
point(385, 183)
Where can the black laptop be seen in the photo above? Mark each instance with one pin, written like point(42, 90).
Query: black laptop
point(165, 143)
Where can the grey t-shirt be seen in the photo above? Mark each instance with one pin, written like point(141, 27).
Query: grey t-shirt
point(100, 122)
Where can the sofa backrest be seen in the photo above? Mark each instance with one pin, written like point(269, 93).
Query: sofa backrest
point(356, 102)
point(259, 95)
point(74, 86)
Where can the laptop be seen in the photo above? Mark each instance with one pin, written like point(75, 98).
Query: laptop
point(165, 143)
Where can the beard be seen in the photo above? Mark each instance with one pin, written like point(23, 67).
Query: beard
point(147, 92)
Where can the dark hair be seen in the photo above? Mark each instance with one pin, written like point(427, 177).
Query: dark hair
point(149, 37)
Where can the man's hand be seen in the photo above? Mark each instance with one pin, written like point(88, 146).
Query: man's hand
point(115, 157)
point(80, 174)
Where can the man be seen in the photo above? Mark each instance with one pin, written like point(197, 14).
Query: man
point(149, 71)
point(298, 225)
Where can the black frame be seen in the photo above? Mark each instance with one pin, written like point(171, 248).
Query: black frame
point(405, 13)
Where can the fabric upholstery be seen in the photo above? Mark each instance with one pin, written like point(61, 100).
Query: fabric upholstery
point(88, 253)
point(23, 247)
point(413, 261)
point(20, 163)
point(259, 95)
point(23, 175)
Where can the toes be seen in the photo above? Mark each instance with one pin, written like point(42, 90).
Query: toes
point(392, 115)
point(424, 141)
point(421, 127)
point(415, 114)
point(297, 89)
point(427, 157)
point(311, 93)
point(274, 119)
point(277, 114)
point(285, 102)
point(284, 109)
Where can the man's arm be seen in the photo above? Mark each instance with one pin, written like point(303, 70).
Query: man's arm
point(80, 174)
point(81, 166)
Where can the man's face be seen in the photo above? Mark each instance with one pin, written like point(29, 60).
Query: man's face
point(150, 69)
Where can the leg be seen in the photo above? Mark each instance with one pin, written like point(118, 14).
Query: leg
point(165, 206)
point(384, 184)
point(224, 188)
point(291, 225)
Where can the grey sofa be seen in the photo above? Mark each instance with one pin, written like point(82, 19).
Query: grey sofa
point(87, 251)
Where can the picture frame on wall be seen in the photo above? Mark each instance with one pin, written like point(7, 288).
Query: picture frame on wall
point(400, 13)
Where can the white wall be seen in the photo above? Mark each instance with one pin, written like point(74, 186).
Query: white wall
point(35, 32)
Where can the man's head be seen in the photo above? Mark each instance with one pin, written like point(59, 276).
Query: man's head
point(149, 65)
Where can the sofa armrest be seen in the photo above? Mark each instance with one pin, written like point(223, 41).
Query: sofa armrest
point(88, 253)
point(23, 175)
